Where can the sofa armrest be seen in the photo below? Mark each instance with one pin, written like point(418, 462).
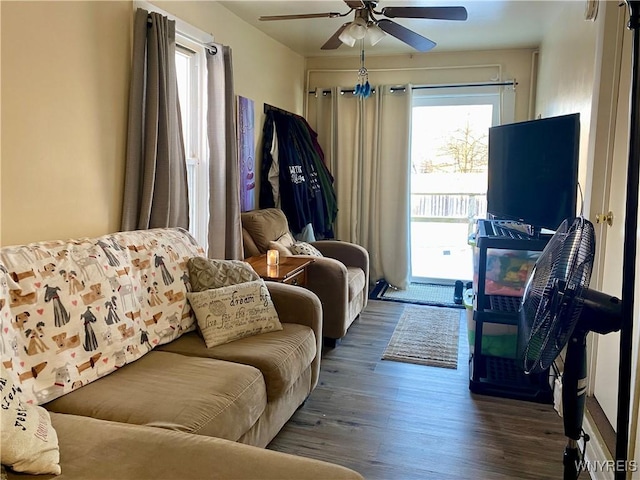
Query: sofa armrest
point(296, 305)
point(350, 254)
point(301, 306)
point(328, 279)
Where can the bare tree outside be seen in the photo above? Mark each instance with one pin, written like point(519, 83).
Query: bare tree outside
point(464, 151)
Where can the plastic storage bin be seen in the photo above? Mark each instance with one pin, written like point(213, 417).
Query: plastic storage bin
point(506, 271)
point(497, 340)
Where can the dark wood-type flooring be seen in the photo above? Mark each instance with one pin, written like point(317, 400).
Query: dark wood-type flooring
point(392, 420)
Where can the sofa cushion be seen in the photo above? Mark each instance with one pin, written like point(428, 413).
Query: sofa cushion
point(234, 312)
point(97, 450)
point(189, 394)
point(207, 273)
point(281, 356)
point(28, 441)
point(357, 280)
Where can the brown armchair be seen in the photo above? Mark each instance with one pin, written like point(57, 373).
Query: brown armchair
point(340, 278)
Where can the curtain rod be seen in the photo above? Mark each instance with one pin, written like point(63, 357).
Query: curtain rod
point(211, 48)
point(507, 83)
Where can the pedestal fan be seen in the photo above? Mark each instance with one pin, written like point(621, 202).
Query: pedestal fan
point(559, 309)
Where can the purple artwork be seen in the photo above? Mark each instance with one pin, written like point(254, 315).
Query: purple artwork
point(246, 153)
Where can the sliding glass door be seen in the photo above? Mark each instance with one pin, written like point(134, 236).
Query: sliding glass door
point(449, 147)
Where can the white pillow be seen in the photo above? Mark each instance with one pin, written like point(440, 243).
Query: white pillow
point(286, 240)
point(282, 244)
point(234, 312)
point(304, 248)
point(28, 441)
point(284, 251)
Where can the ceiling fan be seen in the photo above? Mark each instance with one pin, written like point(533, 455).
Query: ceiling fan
point(365, 23)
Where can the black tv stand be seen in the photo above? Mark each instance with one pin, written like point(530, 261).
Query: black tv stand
point(488, 374)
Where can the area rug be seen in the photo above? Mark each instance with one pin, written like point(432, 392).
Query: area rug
point(436, 294)
point(426, 336)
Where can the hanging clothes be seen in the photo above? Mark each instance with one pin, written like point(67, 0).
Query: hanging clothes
point(305, 186)
point(274, 173)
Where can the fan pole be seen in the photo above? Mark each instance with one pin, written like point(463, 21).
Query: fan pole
point(629, 258)
point(574, 390)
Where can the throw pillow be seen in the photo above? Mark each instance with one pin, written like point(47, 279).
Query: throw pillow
point(284, 251)
point(234, 312)
point(304, 248)
point(207, 273)
point(28, 441)
point(286, 240)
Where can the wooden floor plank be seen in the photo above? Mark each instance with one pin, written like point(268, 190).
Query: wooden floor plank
point(392, 420)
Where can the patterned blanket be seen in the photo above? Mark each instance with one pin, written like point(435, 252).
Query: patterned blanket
point(73, 311)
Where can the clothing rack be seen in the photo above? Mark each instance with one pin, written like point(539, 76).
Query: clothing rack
point(268, 107)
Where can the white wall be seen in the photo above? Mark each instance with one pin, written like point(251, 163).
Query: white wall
point(567, 71)
point(65, 74)
point(577, 64)
point(65, 83)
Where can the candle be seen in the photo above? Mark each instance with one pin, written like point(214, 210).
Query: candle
point(272, 271)
point(273, 257)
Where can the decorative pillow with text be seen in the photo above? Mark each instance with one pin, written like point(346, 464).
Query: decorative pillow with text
point(234, 312)
point(28, 441)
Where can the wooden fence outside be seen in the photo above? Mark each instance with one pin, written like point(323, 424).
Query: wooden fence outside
point(448, 208)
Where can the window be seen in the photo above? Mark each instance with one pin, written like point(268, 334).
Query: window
point(191, 73)
point(191, 78)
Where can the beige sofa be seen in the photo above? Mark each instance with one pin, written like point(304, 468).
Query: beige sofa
point(100, 333)
point(340, 278)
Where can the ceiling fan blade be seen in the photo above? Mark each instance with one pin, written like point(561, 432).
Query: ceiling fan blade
point(334, 42)
point(435, 13)
point(409, 37)
point(298, 16)
point(355, 4)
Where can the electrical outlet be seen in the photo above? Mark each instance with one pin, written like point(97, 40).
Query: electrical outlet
point(557, 395)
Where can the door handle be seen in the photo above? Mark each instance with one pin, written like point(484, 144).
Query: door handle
point(605, 218)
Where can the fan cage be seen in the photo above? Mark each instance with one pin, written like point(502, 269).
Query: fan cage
point(553, 297)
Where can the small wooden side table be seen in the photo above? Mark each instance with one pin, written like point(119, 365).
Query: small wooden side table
point(290, 270)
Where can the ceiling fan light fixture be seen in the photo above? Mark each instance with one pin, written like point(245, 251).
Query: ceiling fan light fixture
point(346, 37)
point(358, 28)
point(374, 34)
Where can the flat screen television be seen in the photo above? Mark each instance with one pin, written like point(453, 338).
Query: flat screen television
point(533, 171)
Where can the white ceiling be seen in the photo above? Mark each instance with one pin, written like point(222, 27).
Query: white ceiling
point(491, 24)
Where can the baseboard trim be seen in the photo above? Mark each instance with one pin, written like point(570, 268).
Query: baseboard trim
point(597, 450)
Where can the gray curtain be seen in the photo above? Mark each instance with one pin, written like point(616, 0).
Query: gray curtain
point(225, 228)
point(155, 190)
point(366, 143)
